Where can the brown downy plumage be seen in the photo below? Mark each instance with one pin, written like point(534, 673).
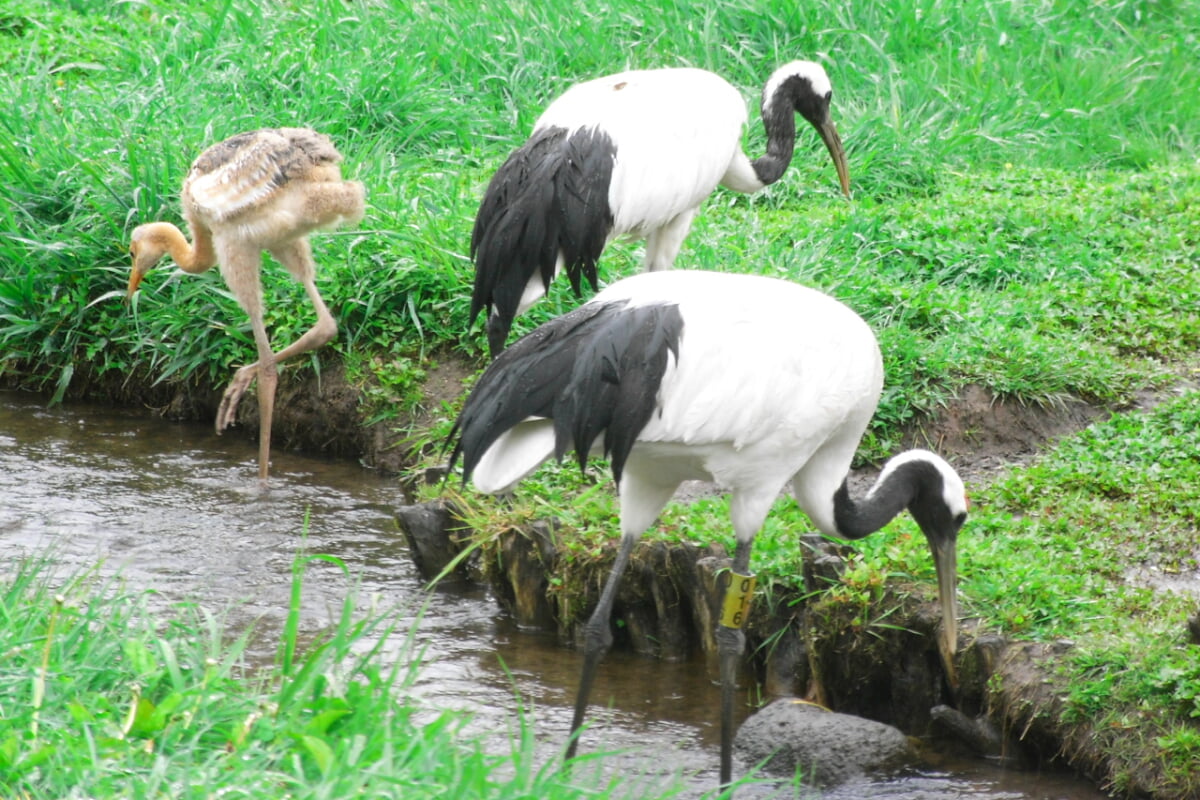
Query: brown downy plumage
point(261, 190)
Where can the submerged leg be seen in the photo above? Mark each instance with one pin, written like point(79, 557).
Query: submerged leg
point(597, 638)
point(240, 268)
point(266, 372)
point(748, 511)
point(268, 379)
point(641, 500)
point(731, 643)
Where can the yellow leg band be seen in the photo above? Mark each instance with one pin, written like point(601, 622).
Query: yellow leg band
point(739, 591)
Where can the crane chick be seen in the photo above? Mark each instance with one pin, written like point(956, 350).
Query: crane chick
point(262, 190)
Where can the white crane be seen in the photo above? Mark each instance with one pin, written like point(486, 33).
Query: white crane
point(261, 190)
point(751, 382)
point(632, 153)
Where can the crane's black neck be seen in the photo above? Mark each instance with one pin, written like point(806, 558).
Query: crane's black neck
point(794, 95)
point(779, 121)
point(916, 485)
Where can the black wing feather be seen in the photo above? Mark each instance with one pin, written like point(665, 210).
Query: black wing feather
point(614, 384)
point(523, 381)
point(550, 196)
point(596, 370)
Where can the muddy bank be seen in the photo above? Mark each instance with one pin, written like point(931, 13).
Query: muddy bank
point(321, 414)
point(324, 414)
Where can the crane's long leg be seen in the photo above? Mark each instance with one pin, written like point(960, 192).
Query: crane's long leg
point(597, 638)
point(641, 500)
point(748, 510)
point(662, 244)
point(318, 335)
point(268, 380)
point(731, 642)
point(297, 257)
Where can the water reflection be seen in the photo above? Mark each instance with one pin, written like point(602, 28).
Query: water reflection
point(176, 508)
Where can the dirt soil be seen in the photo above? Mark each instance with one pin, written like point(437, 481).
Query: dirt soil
point(981, 434)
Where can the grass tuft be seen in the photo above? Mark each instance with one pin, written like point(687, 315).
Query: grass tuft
point(130, 700)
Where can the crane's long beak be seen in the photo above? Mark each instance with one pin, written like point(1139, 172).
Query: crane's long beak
point(135, 279)
point(141, 265)
point(833, 143)
point(945, 560)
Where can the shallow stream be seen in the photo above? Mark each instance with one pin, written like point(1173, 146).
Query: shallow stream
point(175, 508)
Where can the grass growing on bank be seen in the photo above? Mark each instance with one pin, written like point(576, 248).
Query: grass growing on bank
point(1093, 543)
point(106, 696)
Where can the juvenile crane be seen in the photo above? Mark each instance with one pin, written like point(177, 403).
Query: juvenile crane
point(632, 153)
point(262, 190)
point(754, 383)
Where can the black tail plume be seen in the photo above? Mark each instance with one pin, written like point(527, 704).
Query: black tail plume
point(549, 197)
point(596, 370)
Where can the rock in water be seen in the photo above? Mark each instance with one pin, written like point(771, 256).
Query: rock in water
point(828, 747)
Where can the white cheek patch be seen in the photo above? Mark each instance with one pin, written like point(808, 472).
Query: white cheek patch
point(955, 492)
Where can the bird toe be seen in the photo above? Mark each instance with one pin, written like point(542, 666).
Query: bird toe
point(227, 410)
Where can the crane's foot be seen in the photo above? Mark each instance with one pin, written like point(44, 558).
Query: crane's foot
point(227, 411)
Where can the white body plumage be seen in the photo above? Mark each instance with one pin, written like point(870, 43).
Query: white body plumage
point(772, 380)
point(697, 119)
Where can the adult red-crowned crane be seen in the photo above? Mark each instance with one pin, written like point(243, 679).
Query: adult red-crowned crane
point(632, 153)
point(754, 383)
point(262, 190)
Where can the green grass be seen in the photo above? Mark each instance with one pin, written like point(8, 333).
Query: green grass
point(972, 269)
point(1076, 546)
point(108, 696)
point(1025, 180)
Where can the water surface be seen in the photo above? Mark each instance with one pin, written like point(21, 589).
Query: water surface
point(175, 508)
